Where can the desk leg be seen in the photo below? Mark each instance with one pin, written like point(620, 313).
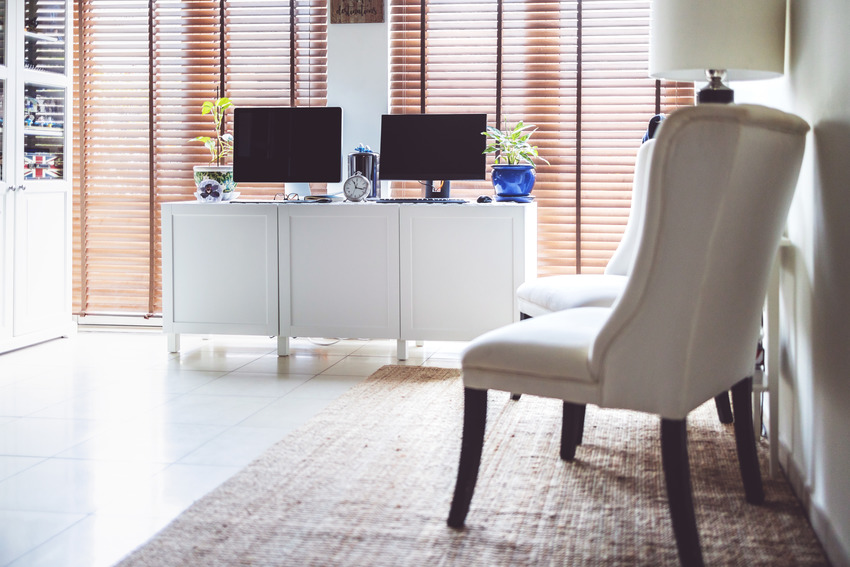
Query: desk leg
point(282, 346)
point(401, 349)
point(772, 363)
point(173, 342)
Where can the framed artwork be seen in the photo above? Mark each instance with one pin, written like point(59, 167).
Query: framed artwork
point(357, 11)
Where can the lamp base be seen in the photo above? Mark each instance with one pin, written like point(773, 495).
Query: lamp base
point(716, 96)
point(715, 91)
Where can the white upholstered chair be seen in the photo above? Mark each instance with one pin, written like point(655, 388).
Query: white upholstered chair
point(687, 323)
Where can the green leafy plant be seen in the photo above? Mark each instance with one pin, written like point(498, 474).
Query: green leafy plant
point(511, 145)
point(220, 145)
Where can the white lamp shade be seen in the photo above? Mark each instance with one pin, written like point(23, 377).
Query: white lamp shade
point(746, 38)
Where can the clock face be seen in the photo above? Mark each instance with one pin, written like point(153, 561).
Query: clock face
point(356, 188)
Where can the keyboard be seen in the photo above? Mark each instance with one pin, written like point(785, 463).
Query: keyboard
point(436, 200)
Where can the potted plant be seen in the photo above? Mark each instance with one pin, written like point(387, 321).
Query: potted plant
point(513, 172)
point(214, 182)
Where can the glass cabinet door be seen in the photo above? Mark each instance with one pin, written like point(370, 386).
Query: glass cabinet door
point(44, 35)
point(44, 135)
point(44, 89)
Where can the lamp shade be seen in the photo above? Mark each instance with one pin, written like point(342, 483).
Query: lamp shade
point(746, 38)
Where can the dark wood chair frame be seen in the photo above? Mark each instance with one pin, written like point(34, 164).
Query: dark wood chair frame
point(674, 455)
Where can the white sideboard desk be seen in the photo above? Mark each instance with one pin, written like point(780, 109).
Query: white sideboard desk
point(360, 270)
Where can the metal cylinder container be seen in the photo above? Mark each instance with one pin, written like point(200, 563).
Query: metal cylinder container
point(366, 161)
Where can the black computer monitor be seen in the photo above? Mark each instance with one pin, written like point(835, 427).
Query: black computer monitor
point(278, 144)
point(431, 147)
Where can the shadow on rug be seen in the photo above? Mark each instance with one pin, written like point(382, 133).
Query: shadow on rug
point(368, 482)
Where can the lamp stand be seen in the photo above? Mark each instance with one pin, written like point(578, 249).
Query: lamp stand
point(715, 91)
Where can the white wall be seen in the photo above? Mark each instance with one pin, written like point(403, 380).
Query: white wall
point(815, 389)
point(358, 81)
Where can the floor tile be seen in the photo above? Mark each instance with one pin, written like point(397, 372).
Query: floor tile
point(243, 383)
point(145, 440)
point(98, 540)
point(327, 386)
point(210, 410)
point(106, 405)
point(19, 400)
point(288, 413)
point(236, 447)
point(70, 486)
point(30, 437)
point(10, 466)
point(22, 531)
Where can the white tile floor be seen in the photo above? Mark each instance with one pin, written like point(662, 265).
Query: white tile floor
point(105, 437)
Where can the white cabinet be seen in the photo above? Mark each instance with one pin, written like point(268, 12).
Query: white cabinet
point(220, 269)
point(35, 172)
point(356, 270)
point(339, 271)
point(461, 266)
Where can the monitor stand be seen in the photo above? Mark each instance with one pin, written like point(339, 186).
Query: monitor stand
point(436, 190)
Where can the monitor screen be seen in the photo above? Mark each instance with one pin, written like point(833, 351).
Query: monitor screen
point(287, 144)
point(429, 147)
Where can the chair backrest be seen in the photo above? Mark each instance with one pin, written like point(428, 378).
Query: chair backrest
point(620, 263)
point(686, 326)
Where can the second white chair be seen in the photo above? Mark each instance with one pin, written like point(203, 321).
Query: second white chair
point(551, 294)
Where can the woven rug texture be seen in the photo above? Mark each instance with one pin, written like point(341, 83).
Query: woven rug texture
point(368, 482)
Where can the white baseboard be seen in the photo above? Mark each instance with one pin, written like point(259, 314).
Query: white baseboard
point(836, 551)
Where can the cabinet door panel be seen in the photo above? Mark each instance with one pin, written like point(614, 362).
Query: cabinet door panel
point(220, 269)
point(340, 271)
point(41, 295)
point(460, 268)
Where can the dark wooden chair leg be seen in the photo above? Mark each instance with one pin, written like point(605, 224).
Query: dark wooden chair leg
point(745, 441)
point(580, 434)
point(571, 426)
point(474, 419)
point(677, 474)
point(724, 409)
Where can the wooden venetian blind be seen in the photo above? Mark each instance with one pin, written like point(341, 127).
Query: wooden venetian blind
point(144, 68)
point(576, 69)
point(112, 189)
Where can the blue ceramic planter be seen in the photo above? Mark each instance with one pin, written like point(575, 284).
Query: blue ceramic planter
point(513, 182)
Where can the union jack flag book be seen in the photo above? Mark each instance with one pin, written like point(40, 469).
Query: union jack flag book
point(42, 166)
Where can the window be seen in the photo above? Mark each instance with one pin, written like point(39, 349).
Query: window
point(577, 69)
point(143, 69)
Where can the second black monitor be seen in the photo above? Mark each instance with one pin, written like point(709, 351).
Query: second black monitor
point(429, 147)
point(280, 144)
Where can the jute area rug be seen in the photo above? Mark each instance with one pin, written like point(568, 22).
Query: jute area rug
point(368, 482)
